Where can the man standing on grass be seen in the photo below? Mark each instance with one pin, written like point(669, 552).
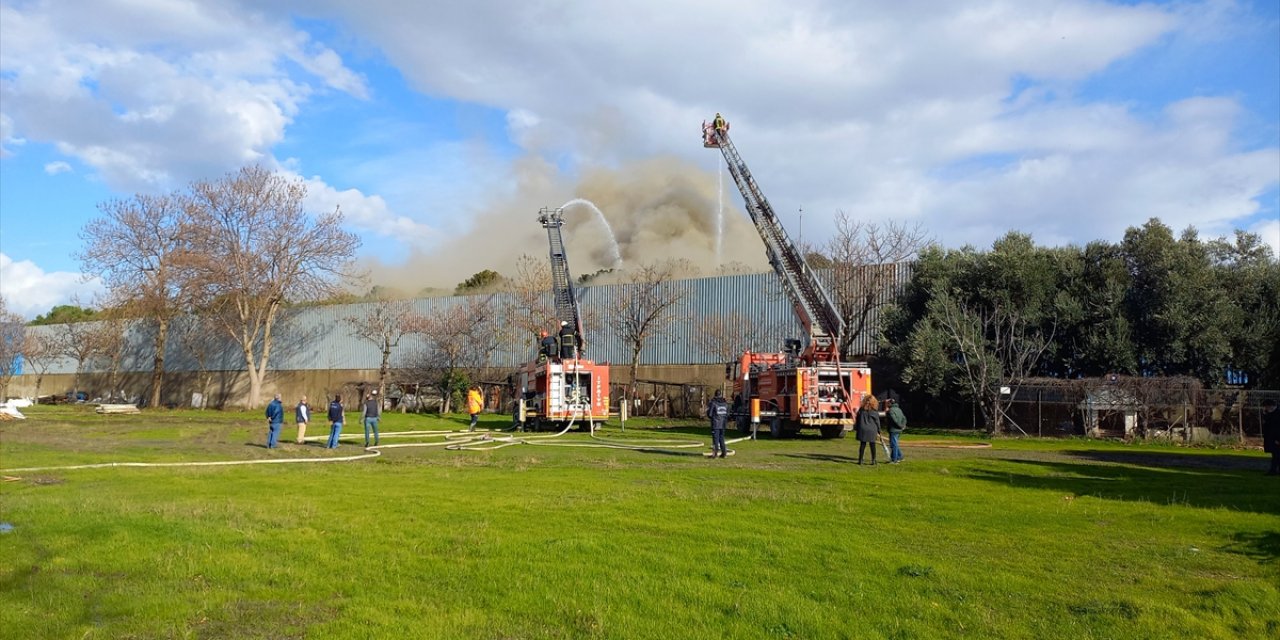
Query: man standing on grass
point(275, 419)
point(897, 423)
point(1271, 434)
point(302, 415)
point(718, 412)
point(335, 421)
point(372, 411)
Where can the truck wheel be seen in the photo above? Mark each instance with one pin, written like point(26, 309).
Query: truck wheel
point(833, 431)
point(775, 428)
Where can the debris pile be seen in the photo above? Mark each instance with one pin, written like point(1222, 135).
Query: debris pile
point(118, 408)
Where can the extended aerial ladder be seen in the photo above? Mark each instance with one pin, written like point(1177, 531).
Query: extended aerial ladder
point(561, 386)
point(566, 303)
point(800, 387)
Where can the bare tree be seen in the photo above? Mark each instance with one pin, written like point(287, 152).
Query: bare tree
point(78, 341)
point(39, 351)
point(995, 350)
point(864, 258)
point(257, 251)
point(138, 247)
point(455, 342)
point(107, 339)
point(383, 323)
point(725, 336)
point(12, 342)
point(530, 297)
point(645, 307)
point(198, 334)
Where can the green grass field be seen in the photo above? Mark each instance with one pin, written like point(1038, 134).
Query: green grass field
point(785, 539)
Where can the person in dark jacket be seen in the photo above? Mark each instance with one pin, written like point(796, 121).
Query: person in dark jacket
point(868, 427)
point(369, 414)
point(1271, 434)
point(718, 412)
point(335, 421)
point(569, 341)
point(546, 347)
point(897, 422)
point(275, 420)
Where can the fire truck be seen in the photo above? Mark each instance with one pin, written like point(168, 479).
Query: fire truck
point(805, 385)
point(558, 388)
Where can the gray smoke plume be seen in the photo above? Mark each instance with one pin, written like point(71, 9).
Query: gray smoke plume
point(659, 208)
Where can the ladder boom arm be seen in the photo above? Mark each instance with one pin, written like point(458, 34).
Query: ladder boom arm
point(566, 302)
point(813, 305)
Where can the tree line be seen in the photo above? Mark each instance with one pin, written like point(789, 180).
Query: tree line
point(975, 323)
point(232, 256)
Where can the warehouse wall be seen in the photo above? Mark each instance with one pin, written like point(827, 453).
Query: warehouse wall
point(314, 351)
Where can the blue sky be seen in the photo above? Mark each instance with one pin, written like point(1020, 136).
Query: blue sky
point(440, 130)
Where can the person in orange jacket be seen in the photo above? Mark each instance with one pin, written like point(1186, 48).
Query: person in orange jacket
point(475, 404)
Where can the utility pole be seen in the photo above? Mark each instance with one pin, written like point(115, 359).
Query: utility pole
point(801, 228)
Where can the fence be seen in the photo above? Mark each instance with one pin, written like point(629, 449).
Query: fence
point(1123, 407)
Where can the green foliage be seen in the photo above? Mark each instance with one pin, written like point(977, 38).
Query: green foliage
point(65, 314)
point(1250, 276)
point(1152, 304)
point(1095, 337)
point(454, 384)
point(1175, 304)
point(482, 281)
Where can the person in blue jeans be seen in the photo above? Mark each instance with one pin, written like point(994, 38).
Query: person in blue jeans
point(897, 423)
point(275, 420)
point(369, 414)
point(335, 419)
point(718, 412)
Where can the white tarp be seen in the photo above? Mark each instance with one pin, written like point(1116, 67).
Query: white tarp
point(10, 408)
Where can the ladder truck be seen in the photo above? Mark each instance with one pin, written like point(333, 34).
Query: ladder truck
point(561, 387)
point(806, 385)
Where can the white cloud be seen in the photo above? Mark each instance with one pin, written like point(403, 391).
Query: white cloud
point(56, 167)
point(366, 213)
point(153, 94)
point(29, 291)
point(6, 136)
point(1269, 230)
point(964, 116)
point(904, 110)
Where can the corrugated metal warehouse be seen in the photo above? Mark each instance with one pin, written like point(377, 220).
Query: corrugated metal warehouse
point(318, 338)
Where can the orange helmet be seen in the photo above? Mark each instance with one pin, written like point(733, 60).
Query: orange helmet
point(542, 334)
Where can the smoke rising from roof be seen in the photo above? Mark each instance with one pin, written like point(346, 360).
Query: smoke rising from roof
point(658, 208)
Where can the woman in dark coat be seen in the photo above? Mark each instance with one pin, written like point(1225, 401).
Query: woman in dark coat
point(868, 427)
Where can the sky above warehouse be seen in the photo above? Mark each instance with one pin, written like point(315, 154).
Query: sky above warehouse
point(441, 128)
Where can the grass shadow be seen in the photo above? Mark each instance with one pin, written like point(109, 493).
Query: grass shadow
point(1174, 459)
point(1177, 485)
point(1263, 547)
point(821, 457)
